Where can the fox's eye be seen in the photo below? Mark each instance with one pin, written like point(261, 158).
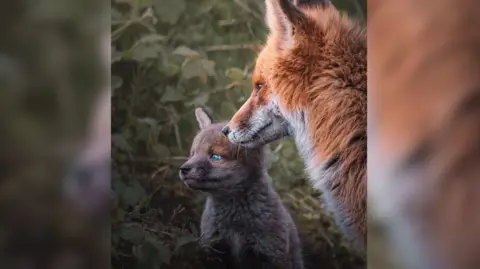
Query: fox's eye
point(215, 157)
point(258, 86)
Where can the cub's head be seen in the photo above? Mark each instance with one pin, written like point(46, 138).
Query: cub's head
point(309, 51)
point(214, 162)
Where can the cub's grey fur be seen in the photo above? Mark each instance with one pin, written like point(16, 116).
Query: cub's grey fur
point(244, 217)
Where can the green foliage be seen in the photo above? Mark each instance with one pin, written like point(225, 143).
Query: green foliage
point(169, 57)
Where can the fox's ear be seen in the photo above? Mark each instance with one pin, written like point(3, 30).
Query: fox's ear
point(203, 118)
point(284, 19)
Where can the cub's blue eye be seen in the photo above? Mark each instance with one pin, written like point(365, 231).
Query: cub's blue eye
point(215, 157)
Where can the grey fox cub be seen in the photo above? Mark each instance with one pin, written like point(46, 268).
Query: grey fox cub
point(244, 217)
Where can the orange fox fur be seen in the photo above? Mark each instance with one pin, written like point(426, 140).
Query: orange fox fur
point(310, 84)
point(424, 126)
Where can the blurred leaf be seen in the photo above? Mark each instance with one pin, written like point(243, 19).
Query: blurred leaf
point(185, 240)
point(148, 121)
point(169, 10)
point(133, 193)
point(170, 70)
point(116, 15)
point(235, 74)
point(172, 94)
point(116, 82)
point(146, 51)
point(186, 52)
point(152, 254)
point(120, 142)
point(150, 38)
point(209, 67)
point(117, 184)
point(116, 55)
point(161, 151)
point(162, 251)
point(200, 100)
point(131, 232)
point(193, 69)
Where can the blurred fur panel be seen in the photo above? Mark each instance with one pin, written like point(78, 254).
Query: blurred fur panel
point(424, 130)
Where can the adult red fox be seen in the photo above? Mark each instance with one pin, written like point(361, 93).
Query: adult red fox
point(424, 128)
point(309, 83)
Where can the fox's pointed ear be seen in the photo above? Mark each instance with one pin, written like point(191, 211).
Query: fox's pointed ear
point(203, 118)
point(283, 19)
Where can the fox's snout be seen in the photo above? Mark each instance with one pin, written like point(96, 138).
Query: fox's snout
point(184, 169)
point(226, 130)
point(193, 168)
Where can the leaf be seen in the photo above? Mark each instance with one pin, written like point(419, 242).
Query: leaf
point(209, 67)
point(146, 51)
point(169, 11)
point(186, 52)
point(117, 184)
point(120, 142)
point(133, 193)
point(148, 121)
point(200, 100)
point(116, 55)
point(150, 38)
point(116, 82)
point(164, 253)
point(161, 151)
point(193, 69)
point(172, 94)
point(185, 240)
point(170, 70)
point(131, 232)
point(116, 15)
point(235, 73)
point(152, 254)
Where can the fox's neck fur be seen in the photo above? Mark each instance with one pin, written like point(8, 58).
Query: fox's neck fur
point(329, 125)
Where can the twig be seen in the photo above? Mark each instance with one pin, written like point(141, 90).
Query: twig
point(253, 47)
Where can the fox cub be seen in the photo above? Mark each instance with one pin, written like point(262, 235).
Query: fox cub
point(244, 217)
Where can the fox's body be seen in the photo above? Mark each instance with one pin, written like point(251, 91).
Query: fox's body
point(310, 84)
point(243, 216)
point(424, 128)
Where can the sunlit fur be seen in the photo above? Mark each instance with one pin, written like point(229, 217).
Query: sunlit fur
point(244, 217)
point(313, 71)
point(424, 129)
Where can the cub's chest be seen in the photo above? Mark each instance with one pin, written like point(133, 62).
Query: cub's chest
point(235, 235)
point(236, 242)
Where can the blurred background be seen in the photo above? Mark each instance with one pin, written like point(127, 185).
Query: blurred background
point(169, 57)
point(54, 147)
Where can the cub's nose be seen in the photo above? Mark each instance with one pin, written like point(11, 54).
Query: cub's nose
point(226, 130)
point(184, 169)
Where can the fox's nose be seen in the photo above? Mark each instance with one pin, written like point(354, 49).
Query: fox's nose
point(226, 130)
point(185, 169)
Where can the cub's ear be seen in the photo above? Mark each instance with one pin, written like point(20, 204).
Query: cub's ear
point(284, 19)
point(203, 118)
